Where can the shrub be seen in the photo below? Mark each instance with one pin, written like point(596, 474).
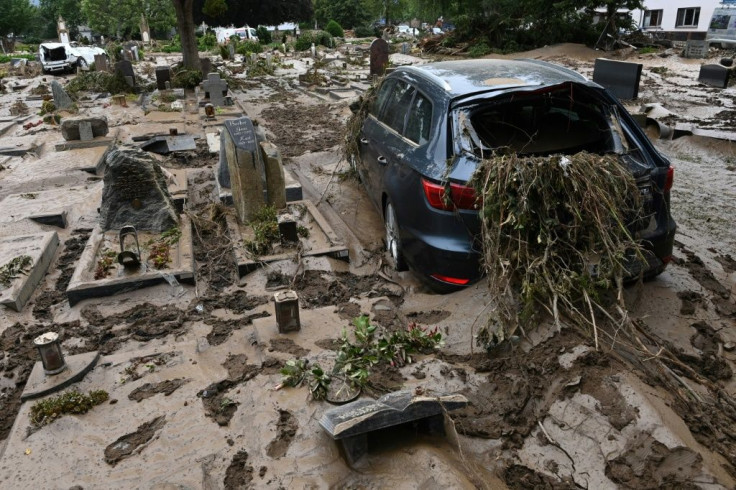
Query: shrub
point(186, 79)
point(6, 59)
point(479, 49)
point(334, 29)
point(264, 35)
point(98, 81)
point(317, 37)
point(207, 42)
point(224, 52)
point(249, 47)
point(173, 47)
point(364, 31)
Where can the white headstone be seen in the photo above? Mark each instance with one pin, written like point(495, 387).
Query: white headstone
point(314, 51)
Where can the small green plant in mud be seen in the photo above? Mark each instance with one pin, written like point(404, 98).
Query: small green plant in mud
point(265, 231)
point(160, 250)
point(105, 263)
point(660, 70)
point(356, 356)
point(16, 267)
point(225, 403)
point(46, 411)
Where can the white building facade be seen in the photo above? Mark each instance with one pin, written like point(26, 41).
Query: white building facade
point(679, 19)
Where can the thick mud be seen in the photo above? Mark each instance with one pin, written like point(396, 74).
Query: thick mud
point(133, 443)
point(286, 428)
point(239, 473)
point(148, 390)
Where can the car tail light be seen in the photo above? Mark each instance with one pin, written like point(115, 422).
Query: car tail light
point(461, 196)
point(670, 178)
point(459, 281)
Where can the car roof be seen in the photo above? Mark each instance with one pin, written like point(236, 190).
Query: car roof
point(465, 77)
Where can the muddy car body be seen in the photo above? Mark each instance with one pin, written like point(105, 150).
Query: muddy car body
point(431, 125)
point(59, 58)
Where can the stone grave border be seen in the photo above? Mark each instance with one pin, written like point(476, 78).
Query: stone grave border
point(21, 288)
point(246, 264)
point(80, 287)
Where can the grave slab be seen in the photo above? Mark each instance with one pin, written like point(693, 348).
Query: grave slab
point(101, 62)
point(83, 284)
point(125, 67)
point(41, 248)
point(714, 75)
point(322, 240)
point(50, 207)
point(163, 145)
point(93, 143)
point(70, 127)
point(619, 77)
point(77, 367)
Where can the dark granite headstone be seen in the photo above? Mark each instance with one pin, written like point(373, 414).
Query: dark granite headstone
point(714, 75)
point(619, 77)
point(163, 75)
point(206, 65)
point(61, 98)
point(135, 193)
point(379, 56)
point(247, 174)
point(216, 89)
point(101, 62)
point(126, 68)
point(350, 423)
point(70, 127)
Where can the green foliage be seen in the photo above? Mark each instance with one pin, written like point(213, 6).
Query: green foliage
point(6, 59)
point(334, 29)
point(16, 17)
point(364, 31)
point(348, 13)
point(265, 231)
point(264, 35)
point(214, 8)
point(47, 107)
point(44, 412)
point(16, 267)
point(122, 17)
point(224, 52)
point(247, 47)
point(99, 81)
point(207, 42)
point(186, 79)
point(317, 37)
point(479, 49)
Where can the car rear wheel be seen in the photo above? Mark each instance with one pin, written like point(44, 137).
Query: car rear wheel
point(82, 63)
point(393, 239)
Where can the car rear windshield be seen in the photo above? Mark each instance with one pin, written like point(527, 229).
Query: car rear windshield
point(565, 120)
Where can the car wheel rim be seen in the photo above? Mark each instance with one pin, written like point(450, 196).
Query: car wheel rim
point(392, 242)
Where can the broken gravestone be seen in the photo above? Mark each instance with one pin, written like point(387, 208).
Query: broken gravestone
point(135, 193)
point(216, 89)
point(619, 77)
point(245, 166)
point(72, 129)
point(351, 423)
point(61, 98)
point(163, 75)
point(714, 75)
point(125, 67)
point(379, 57)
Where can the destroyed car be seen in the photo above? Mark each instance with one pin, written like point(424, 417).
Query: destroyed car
point(431, 125)
point(58, 57)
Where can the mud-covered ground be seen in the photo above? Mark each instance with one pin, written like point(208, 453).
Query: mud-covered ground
point(191, 370)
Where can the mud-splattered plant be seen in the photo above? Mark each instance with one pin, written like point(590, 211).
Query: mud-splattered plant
point(72, 402)
point(18, 266)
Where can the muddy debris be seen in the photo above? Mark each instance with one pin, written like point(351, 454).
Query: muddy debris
point(217, 405)
point(519, 477)
point(150, 389)
point(222, 329)
point(703, 275)
point(348, 311)
point(329, 344)
point(298, 129)
point(727, 262)
point(237, 302)
point(383, 379)
point(317, 289)
point(286, 428)
point(135, 442)
point(239, 474)
point(287, 346)
point(690, 299)
point(428, 317)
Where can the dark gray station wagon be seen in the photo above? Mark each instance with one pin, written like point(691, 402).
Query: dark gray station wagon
point(432, 124)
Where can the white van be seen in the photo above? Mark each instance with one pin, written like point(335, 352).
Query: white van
point(244, 33)
point(58, 57)
point(722, 29)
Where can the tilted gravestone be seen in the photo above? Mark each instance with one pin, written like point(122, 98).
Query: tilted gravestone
point(275, 181)
point(135, 193)
point(245, 166)
point(70, 127)
point(619, 77)
point(100, 62)
point(125, 67)
point(61, 98)
point(215, 89)
point(163, 75)
point(696, 49)
point(714, 75)
point(351, 423)
point(379, 57)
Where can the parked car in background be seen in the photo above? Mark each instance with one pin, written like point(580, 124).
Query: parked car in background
point(406, 30)
point(58, 57)
point(430, 126)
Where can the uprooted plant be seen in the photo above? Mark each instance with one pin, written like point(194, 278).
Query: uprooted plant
point(16, 267)
point(358, 355)
point(351, 143)
point(71, 402)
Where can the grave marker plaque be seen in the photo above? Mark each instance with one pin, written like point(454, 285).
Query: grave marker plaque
point(100, 62)
point(379, 57)
point(245, 166)
point(714, 75)
point(85, 131)
point(619, 77)
point(696, 49)
point(71, 128)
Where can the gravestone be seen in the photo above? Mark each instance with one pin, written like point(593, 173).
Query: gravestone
point(134, 51)
point(404, 48)
point(275, 184)
point(379, 57)
point(125, 67)
point(215, 89)
point(61, 98)
point(135, 193)
point(71, 129)
point(206, 65)
point(85, 131)
point(245, 165)
point(231, 50)
point(127, 55)
point(619, 77)
point(163, 75)
point(145, 30)
point(100, 62)
point(351, 423)
point(714, 75)
point(696, 49)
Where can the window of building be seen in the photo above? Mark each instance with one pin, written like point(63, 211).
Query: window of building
point(688, 17)
point(652, 18)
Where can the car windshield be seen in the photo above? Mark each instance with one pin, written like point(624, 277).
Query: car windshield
point(565, 119)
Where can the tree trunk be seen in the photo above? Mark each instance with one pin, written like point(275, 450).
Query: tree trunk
point(185, 23)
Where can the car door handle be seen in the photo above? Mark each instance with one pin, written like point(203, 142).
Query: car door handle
point(364, 141)
point(382, 160)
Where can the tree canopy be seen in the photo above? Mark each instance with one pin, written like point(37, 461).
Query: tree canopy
point(256, 12)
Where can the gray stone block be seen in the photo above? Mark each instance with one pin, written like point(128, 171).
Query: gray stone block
point(619, 77)
point(70, 128)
